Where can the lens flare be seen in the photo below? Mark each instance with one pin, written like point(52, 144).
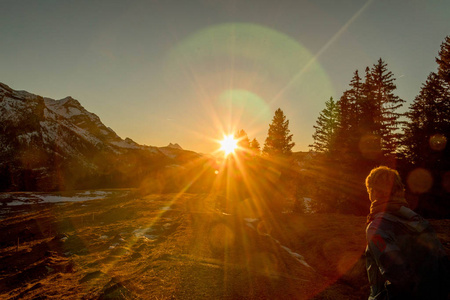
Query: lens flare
point(237, 74)
point(438, 142)
point(420, 181)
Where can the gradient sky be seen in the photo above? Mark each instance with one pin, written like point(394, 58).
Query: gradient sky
point(189, 71)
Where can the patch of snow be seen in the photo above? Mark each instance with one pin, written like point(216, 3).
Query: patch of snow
point(146, 239)
point(297, 256)
point(250, 220)
point(67, 111)
point(143, 233)
point(167, 153)
point(27, 137)
point(53, 199)
point(150, 236)
point(153, 150)
point(307, 203)
point(124, 144)
point(73, 111)
point(28, 198)
point(15, 203)
point(86, 135)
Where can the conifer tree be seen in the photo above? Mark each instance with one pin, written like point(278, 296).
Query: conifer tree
point(383, 106)
point(255, 146)
point(444, 60)
point(429, 128)
point(326, 128)
point(429, 115)
point(350, 115)
point(243, 140)
point(366, 135)
point(370, 107)
point(427, 136)
point(279, 140)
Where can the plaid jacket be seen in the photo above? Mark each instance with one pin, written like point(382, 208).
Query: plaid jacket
point(404, 258)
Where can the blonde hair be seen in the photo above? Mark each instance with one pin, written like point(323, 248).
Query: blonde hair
point(386, 182)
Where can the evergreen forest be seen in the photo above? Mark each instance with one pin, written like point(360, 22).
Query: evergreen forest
point(368, 126)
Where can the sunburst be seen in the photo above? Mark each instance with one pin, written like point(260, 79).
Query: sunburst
point(229, 144)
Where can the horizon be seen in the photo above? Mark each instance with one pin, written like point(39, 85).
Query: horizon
point(188, 73)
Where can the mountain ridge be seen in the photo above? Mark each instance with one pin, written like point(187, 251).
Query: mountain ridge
point(49, 144)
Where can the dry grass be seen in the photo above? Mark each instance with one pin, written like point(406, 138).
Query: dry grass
point(176, 246)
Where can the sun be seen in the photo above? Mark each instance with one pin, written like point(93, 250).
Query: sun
point(228, 144)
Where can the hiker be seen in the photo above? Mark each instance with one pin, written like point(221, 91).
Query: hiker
point(404, 258)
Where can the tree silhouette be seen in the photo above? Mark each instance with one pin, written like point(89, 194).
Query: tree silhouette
point(369, 121)
point(427, 134)
point(444, 60)
point(366, 135)
point(383, 107)
point(350, 115)
point(255, 147)
point(279, 140)
point(326, 128)
point(428, 131)
point(429, 116)
point(242, 140)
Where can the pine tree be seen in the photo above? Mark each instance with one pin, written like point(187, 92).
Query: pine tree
point(427, 136)
point(384, 105)
point(350, 115)
point(444, 60)
point(370, 106)
point(243, 140)
point(429, 115)
point(279, 140)
point(255, 146)
point(429, 128)
point(326, 128)
point(366, 135)
point(351, 106)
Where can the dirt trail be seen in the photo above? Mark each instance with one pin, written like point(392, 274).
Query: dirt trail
point(177, 247)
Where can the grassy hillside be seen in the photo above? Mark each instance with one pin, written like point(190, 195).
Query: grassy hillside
point(178, 246)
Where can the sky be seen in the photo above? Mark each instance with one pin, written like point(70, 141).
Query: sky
point(188, 72)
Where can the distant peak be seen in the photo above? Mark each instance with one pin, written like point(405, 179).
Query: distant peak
point(175, 146)
point(130, 141)
point(68, 100)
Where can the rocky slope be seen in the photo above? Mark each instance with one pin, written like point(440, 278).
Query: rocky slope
point(48, 144)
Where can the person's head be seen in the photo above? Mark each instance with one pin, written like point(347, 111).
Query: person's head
point(384, 184)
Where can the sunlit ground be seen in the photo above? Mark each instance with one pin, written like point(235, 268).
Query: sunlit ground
point(163, 246)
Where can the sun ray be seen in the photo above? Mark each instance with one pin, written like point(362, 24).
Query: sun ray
point(322, 50)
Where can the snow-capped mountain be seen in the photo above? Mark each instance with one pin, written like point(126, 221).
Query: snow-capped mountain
point(50, 144)
point(174, 146)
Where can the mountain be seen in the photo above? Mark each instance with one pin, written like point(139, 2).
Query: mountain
point(48, 144)
point(174, 146)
